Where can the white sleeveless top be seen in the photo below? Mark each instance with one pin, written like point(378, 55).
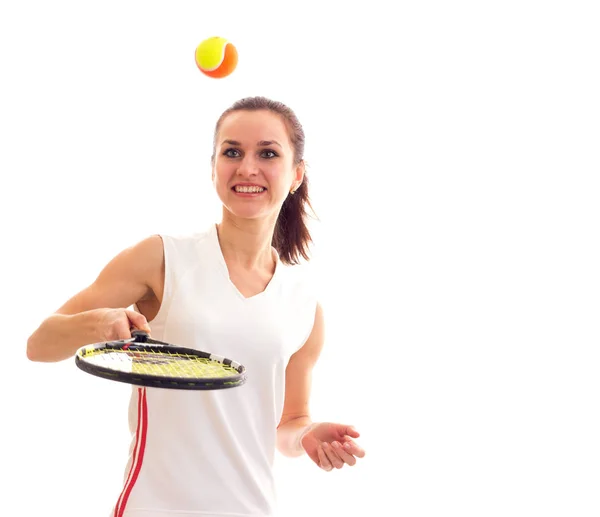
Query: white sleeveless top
point(210, 453)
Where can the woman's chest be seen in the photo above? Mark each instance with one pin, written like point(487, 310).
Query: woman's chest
point(266, 328)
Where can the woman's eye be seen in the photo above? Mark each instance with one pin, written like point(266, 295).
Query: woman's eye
point(267, 153)
point(231, 153)
point(234, 153)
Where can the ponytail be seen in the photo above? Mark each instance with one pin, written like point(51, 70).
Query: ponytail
point(292, 238)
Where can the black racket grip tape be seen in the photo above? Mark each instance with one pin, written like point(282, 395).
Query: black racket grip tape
point(140, 336)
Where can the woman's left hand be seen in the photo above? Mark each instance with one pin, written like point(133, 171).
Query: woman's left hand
point(331, 445)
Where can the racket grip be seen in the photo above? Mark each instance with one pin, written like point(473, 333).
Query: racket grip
point(140, 336)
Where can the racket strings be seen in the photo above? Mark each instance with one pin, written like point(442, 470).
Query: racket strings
point(161, 364)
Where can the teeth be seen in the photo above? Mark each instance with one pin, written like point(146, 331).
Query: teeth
point(250, 188)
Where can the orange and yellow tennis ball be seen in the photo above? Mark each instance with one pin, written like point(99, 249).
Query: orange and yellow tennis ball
point(216, 57)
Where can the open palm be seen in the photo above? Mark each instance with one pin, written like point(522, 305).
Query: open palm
point(331, 445)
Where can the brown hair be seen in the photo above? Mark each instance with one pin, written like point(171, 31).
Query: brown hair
point(291, 238)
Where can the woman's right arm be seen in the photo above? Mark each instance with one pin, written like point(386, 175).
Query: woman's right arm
point(98, 313)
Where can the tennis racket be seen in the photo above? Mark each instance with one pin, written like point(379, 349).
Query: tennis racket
point(144, 361)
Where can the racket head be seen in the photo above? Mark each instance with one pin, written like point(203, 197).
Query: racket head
point(143, 361)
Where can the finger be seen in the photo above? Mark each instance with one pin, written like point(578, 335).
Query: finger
point(351, 431)
point(118, 330)
point(335, 460)
point(352, 448)
point(344, 456)
point(137, 320)
point(324, 462)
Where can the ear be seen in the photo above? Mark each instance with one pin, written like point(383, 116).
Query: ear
point(299, 175)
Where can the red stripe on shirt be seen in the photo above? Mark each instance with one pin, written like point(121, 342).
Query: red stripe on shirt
point(138, 453)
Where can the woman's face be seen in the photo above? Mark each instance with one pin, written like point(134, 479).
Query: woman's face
point(253, 169)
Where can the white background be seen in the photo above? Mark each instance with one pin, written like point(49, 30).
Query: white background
point(453, 149)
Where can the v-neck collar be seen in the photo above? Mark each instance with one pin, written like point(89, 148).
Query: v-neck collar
point(225, 270)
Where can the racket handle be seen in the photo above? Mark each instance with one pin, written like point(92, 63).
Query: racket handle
point(140, 335)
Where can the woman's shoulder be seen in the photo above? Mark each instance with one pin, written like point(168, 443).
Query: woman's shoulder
point(187, 241)
point(187, 251)
point(189, 236)
point(300, 278)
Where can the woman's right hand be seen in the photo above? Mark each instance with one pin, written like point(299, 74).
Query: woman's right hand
point(135, 274)
point(115, 324)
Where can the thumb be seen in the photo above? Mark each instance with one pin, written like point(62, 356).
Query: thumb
point(350, 430)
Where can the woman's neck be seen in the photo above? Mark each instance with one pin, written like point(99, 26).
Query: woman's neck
point(246, 243)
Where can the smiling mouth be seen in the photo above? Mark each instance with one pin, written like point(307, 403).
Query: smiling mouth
point(248, 189)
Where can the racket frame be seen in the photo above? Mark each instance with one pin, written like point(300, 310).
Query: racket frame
point(141, 342)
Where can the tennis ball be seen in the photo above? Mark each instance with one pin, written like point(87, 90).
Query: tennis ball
point(216, 57)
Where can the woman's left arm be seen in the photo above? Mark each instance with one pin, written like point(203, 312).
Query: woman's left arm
point(328, 444)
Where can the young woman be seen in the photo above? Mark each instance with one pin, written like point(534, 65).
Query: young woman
point(230, 289)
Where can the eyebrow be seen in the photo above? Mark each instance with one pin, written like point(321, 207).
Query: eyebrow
point(262, 143)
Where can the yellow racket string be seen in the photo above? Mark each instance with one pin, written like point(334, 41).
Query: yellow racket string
point(160, 364)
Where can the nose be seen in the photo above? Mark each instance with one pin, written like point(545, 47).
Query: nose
point(248, 166)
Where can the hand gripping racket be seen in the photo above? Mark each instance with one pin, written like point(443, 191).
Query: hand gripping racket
point(144, 361)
